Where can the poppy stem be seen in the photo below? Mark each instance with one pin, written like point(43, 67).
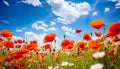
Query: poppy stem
point(3, 52)
point(104, 29)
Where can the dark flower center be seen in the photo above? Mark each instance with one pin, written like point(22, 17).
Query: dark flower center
point(117, 30)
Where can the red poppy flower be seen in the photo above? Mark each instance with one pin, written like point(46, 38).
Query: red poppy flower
point(67, 44)
point(81, 44)
point(114, 29)
point(16, 55)
point(49, 37)
point(98, 34)
point(15, 41)
point(47, 46)
point(8, 44)
point(115, 39)
point(18, 65)
point(94, 44)
point(1, 39)
point(33, 42)
point(18, 41)
point(6, 33)
point(111, 53)
point(87, 37)
point(8, 58)
point(78, 31)
point(18, 46)
point(97, 23)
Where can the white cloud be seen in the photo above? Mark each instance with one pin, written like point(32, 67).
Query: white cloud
point(5, 21)
point(62, 20)
point(21, 30)
point(52, 23)
point(68, 11)
point(69, 34)
point(113, 0)
point(95, 13)
point(18, 30)
point(94, 5)
point(94, 37)
point(35, 26)
point(107, 9)
point(40, 25)
point(33, 2)
point(52, 28)
point(16, 37)
point(33, 36)
point(67, 29)
point(117, 5)
point(6, 3)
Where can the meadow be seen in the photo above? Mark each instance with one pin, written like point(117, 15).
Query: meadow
point(88, 53)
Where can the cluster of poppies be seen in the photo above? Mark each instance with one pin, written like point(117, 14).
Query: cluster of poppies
point(19, 54)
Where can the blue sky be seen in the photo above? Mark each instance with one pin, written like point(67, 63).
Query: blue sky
point(32, 19)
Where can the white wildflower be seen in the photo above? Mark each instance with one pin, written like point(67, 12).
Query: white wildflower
point(50, 67)
point(71, 64)
point(68, 53)
point(56, 67)
point(53, 67)
point(99, 54)
point(64, 63)
point(96, 66)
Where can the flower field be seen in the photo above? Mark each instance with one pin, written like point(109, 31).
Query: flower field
point(88, 53)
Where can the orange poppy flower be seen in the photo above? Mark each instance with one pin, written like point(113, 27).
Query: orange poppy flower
point(37, 58)
point(24, 50)
point(78, 31)
point(94, 44)
point(8, 44)
point(28, 47)
point(6, 33)
point(97, 23)
point(33, 42)
point(114, 29)
point(47, 46)
point(98, 34)
point(49, 37)
point(2, 59)
point(87, 37)
point(67, 44)
point(32, 47)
